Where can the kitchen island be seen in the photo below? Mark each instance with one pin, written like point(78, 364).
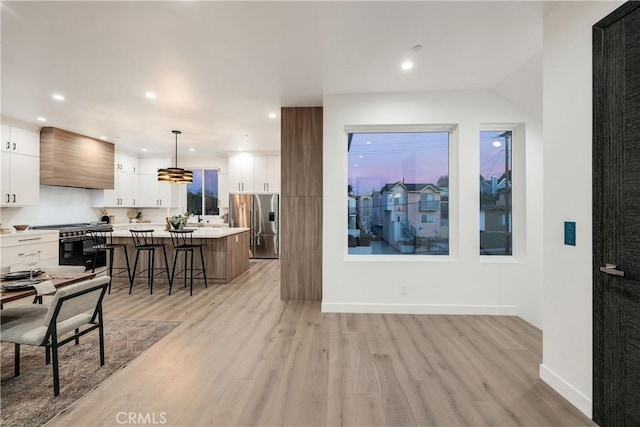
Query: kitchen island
point(226, 251)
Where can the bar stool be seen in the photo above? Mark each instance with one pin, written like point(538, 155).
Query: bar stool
point(183, 243)
point(144, 242)
point(103, 241)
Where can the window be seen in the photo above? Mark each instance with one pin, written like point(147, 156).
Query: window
point(428, 202)
point(397, 185)
point(495, 192)
point(428, 218)
point(202, 193)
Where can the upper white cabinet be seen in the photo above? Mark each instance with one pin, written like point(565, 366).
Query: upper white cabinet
point(20, 159)
point(254, 174)
point(241, 174)
point(125, 192)
point(266, 177)
point(154, 194)
point(137, 186)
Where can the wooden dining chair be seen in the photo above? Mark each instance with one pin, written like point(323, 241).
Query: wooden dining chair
point(74, 311)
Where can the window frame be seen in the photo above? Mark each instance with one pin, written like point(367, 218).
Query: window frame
point(518, 192)
point(453, 192)
point(203, 198)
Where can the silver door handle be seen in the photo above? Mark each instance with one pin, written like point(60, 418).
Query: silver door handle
point(612, 270)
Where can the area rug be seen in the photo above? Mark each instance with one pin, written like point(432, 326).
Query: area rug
point(28, 400)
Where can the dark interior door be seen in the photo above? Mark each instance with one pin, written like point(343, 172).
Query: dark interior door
point(616, 221)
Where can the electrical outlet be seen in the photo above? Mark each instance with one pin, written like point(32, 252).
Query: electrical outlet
point(404, 289)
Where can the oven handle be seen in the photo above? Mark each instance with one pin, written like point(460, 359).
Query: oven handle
point(74, 239)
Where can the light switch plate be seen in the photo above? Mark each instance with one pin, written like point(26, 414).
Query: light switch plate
point(570, 233)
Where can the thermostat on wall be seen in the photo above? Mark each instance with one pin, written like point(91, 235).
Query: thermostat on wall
point(570, 233)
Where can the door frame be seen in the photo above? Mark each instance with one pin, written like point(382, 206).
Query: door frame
point(600, 135)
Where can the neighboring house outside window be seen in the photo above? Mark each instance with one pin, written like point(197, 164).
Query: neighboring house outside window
point(391, 214)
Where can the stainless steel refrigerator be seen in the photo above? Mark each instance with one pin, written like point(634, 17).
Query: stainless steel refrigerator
point(260, 213)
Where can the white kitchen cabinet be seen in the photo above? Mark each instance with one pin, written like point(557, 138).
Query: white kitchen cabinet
point(259, 174)
point(241, 174)
point(154, 194)
point(20, 159)
point(14, 246)
point(125, 192)
point(266, 174)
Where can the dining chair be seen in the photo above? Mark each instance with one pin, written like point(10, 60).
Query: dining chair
point(57, 269)
point(74, 311)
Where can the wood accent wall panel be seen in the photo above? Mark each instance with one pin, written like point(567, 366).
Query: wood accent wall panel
point(69, 159)
point(301, 260)
point(301, 151)
point(301, 215)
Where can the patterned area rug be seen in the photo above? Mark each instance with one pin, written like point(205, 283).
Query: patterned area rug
point(28, 400)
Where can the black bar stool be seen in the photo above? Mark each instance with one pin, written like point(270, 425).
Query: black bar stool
point(144, 242)
point(103, 241)
point(183, 243)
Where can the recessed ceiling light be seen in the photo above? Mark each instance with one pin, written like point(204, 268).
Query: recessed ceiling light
point(496, 143)
point(357, 165)
point(360, 156)
point(192, 149)
point(240, 149)
point(407, 65)
point(272, 115)
point(416, 48)
point(368, 142)
point(42, 119)
point(58, 97)
point(150, 95)
point(143, 149)
point(103, 137)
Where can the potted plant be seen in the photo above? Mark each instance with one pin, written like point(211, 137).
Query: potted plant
point(178, 221)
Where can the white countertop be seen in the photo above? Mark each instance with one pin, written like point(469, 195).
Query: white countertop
point(198, 233)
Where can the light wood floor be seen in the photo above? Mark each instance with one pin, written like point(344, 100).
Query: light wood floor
point(243, 357)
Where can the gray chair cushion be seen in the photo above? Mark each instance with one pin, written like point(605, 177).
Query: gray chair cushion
point(28, 324)
point(25, 325)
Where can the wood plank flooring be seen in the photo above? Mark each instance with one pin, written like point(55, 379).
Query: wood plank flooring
point(242, 357)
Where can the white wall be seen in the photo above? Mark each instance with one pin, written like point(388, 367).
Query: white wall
point(58, 205)
point(461, 283)
point(567, 284)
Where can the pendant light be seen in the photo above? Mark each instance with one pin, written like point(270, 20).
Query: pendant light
point(175, 175)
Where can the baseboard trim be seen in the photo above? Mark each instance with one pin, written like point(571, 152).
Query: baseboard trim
point(495, 310)
point(566, 390)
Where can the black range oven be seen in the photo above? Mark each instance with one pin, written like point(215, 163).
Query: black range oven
point(76, 246)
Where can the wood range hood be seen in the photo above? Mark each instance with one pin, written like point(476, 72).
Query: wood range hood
point(69, 159)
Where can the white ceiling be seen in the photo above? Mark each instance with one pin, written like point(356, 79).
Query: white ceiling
point(219, 68)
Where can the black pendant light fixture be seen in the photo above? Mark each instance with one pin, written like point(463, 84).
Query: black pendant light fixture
point(175, 175)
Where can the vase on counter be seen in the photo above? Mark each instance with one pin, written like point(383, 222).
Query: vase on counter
point(177, 225)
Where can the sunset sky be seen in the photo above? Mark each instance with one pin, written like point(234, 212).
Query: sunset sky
point(376, 159)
